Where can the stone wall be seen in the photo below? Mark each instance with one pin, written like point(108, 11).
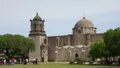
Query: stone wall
point(67, 53)
point(96, 37)
point(39, 40)
point(36, 53)
point(79, 39)
point(54, 41)
point(51, 48)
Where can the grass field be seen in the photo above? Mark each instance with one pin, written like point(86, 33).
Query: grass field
point(55, 65)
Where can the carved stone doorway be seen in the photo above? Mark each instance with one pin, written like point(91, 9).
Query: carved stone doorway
point(76, 56)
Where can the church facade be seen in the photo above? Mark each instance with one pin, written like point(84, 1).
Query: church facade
point(62, 48)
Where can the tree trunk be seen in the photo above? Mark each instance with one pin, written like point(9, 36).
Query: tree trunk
point(113, 58)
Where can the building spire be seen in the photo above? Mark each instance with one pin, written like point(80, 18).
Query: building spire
point(84, 16)
point(37, 14)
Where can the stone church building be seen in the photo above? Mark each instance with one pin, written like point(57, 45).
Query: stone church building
point(62, 48)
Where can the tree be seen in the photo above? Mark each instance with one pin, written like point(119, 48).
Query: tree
point(116, 40)
point(109, 47)
point(112, 41)
point(16, 45)
point(98, 50)
point(29, 46)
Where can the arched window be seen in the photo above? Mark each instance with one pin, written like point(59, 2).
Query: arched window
point(76, 55)
point(45, 40)
point(34, 26)
point(79, 31)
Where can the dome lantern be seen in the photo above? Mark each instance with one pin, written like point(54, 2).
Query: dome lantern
point(37, 18)
point(83, 17)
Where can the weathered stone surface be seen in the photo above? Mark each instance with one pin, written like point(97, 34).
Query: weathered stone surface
point(51, 48)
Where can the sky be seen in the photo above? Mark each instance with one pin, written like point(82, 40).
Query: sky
point(60, 15)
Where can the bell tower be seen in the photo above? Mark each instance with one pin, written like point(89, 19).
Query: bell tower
point(37, 33)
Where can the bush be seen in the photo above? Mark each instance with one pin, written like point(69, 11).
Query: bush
point(71, 62)
point(80, 61)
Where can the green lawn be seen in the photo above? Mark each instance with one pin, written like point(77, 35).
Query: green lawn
point(54, 65)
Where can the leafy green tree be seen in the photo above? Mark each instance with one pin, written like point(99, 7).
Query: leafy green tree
point(27, 47)
point(98, 50)
point(108, 39)
point(116, 40)
point(112, 41)
point(16, 45)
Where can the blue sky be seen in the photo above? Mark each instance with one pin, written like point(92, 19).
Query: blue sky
point(60, 15)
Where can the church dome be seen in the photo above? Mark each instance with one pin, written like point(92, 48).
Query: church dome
point(37, 18)
point(84, 23)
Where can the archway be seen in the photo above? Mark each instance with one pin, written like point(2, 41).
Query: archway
point(76, 56)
